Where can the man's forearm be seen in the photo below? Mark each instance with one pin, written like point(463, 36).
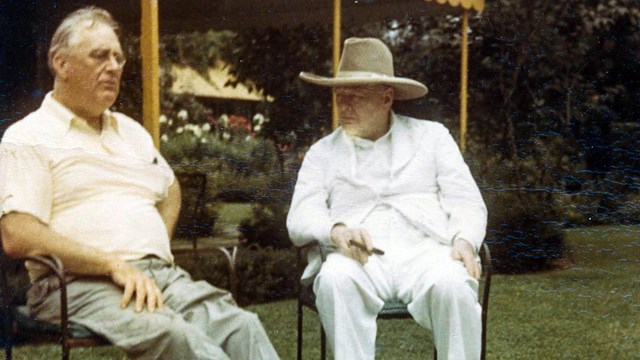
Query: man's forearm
point(24, 235)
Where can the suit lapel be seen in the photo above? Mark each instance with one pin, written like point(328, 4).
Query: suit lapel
point(404, 142)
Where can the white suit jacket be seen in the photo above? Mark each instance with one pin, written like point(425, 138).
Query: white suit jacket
point(430, 185)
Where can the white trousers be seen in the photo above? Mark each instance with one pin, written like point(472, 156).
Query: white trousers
point(440, 294)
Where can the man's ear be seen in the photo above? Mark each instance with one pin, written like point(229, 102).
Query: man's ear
point(60, 65)
point(388, 97)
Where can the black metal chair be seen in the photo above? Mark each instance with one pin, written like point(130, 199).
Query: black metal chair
point(393, 310)
point(195, 224)
point(193, 221)
point(17, 328)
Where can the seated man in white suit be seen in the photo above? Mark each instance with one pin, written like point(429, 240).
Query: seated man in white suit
point(383, 181)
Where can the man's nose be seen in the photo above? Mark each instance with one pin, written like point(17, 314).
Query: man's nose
point(114, 62)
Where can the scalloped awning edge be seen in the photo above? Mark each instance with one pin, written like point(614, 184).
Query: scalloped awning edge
point(477, 5)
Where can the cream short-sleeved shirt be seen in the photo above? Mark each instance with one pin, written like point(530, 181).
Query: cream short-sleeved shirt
point(97, 188)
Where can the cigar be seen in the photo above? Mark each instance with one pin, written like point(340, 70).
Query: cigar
point(362, 247)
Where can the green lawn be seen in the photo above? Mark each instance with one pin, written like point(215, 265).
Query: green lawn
point(231, 214)
point(590, 311)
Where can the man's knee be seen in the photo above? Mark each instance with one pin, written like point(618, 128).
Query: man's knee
point(157, 336)
point(247, 320)
point(337, 273)
point(454, 286)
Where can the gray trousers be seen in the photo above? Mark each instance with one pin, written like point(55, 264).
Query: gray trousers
point(198, 321)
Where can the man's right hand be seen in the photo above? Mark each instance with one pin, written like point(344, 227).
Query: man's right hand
point(134, 281)
point(342, 236)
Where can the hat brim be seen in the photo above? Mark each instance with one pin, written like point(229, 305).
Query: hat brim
point(405, 89)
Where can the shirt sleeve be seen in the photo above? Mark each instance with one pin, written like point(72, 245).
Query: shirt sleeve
point(25, 181)
point(459, 195)
point(161, 161)
point(308, 217)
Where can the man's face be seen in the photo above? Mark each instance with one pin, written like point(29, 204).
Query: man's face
point(364, 110)
point(95, 63)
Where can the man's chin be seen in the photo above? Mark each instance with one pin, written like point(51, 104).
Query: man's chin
point(352, 131)
point(108, 98)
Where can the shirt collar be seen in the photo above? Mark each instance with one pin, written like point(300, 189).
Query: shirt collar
point(65, 118)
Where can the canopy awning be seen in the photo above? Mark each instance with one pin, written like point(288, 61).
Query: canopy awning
point(189, 81)
point(196, 15)
point(242, 14)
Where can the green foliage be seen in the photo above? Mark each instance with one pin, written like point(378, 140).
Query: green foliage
point(267, 274)
point(268, 226)
point(264, 274)
point(199, 50)
point(237, 169)
point(533, 129)
point(272, 59)
point(524, 231)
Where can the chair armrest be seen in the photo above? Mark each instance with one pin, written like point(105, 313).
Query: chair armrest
point(56, 266)
point(301, 250)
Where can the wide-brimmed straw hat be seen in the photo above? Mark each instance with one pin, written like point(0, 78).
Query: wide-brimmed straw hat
point(366, 61)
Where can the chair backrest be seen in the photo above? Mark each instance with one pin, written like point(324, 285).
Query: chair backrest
point(5, 309)
point(193, 220)
point(12, 293)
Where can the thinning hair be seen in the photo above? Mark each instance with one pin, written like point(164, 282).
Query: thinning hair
point(71, 25)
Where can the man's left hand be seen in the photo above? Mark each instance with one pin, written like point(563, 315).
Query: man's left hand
point(463, 251)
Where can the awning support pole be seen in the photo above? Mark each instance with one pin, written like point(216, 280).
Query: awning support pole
point(464, 76)
point(337, 24)
point(150, 69)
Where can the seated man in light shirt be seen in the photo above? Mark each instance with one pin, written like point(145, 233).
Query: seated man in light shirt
point(394, 204)
point(87, 185)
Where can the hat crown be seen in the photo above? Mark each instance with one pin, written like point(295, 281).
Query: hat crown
point(367, 61)
point(366, 55)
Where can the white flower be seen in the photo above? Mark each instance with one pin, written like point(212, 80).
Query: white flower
point(248, 138)
point(197, 131)
point(257, 128)
point(183, 115)
point(170, 122)
point(258, 119)
point(180, 130)
point(164, 138)
point(226, 136)
point(204, 140)
point(224, 119)
point(206, 127)
point(163, 119)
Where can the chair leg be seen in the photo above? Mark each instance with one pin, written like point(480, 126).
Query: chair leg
point(300, 315)
point(435, 353)
point(8, 353)
point(65, 351)
point(323, 344)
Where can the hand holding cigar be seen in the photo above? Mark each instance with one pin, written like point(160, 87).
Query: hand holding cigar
point(362, 247)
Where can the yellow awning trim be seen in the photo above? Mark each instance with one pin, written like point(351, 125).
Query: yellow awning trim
point(477, 5)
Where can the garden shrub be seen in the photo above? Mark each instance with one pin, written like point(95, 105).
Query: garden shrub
point(268, 226)
point(267, 274)
point(264, 274)
point(211, 267)
point(524, 232)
